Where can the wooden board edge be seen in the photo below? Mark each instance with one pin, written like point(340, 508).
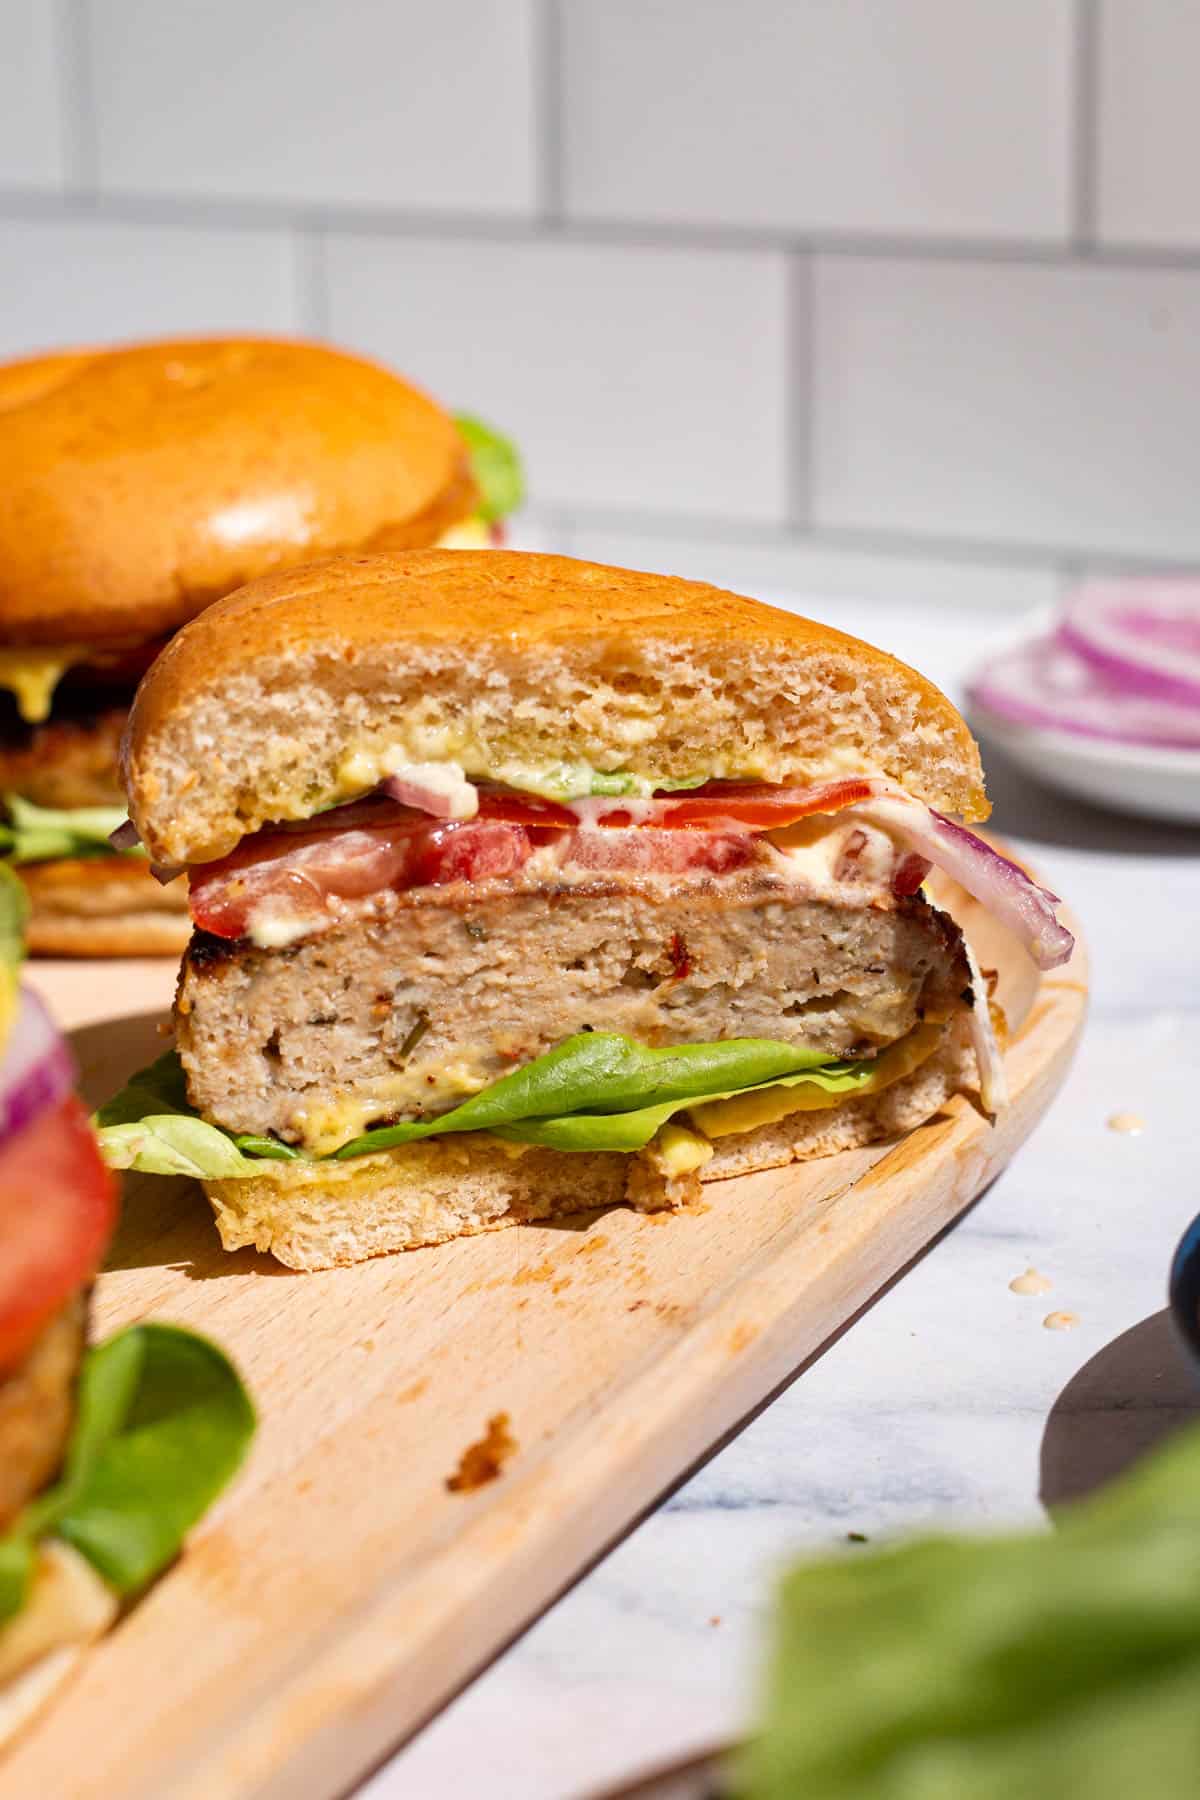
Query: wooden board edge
point(345, 1709)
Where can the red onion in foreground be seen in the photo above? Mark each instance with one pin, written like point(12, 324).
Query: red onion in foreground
point(37, 1070)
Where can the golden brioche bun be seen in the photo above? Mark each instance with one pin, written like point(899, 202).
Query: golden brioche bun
point(103, 906)
point(139, 483)
point(282, 697)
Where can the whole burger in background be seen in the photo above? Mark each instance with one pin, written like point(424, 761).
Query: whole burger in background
point(107, 1456)
point(139, 484)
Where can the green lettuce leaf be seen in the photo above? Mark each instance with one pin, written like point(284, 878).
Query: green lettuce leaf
point(14, 911)
point(1064, 1663)
point(162, 1424)
point(40, 833)
point(594, 1091)
point(496, 466)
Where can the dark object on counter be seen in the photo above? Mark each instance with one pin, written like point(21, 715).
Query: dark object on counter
point(1183, 1291)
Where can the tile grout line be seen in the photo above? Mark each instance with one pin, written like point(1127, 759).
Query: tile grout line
point(548, 113)
point(72, 34)
point(799, 365)
point(310, 277)
point(1066, 563)
point(184, 211)
point(1085, 127)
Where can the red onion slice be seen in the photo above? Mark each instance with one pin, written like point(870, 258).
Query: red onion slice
point(37, 1070)
point(998, 884)
point(1143, 635)
point(1047, 685)
point(125, 837)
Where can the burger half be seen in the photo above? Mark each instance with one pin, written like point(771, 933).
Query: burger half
point(109, 1455)
point(522, 885)
point(137, 485)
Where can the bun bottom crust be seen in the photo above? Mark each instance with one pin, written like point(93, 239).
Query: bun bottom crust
point(319, 1216)
point(103, 906)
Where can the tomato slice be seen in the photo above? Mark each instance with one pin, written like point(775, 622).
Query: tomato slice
point(756, 805)
point(58, 1206)
point(371, 845)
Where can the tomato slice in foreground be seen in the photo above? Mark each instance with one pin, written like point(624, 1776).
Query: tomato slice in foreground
point(58, 1206)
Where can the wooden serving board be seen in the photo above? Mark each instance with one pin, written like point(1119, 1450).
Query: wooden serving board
point(340, 1592)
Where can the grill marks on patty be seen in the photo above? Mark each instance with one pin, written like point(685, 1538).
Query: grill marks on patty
point(443, 990)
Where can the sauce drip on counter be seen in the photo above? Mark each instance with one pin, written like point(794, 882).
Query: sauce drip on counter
point(1031, 1282)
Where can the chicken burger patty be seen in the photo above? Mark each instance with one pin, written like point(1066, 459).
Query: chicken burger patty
point(37, 1406)
point(431, 994)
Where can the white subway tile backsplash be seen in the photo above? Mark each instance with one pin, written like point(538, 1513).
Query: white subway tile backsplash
point(404, 105)
point(1148, 122)
point(1008, 403)
point(83, 281)
point(772, 569)
point(632, 377)
point(928, 117)
point(32, 129)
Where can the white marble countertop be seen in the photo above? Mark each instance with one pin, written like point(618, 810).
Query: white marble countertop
point(947, 1401)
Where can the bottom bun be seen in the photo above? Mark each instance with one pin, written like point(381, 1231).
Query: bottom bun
point(103, 906)
point(319, 1215)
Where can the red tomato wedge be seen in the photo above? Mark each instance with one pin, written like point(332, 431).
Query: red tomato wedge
point(58, 1206)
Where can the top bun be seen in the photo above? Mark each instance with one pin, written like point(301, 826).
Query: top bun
point(139, 484)
point(532, 670)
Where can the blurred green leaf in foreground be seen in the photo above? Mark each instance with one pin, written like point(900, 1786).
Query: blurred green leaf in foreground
point(1040, 1667)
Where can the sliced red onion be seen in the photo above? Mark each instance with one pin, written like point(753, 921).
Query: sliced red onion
point(993, 1082)
point(998, 884)
point(37, 1070)
point(1143, 635)
point(125, 837)
point(166, 873)
point(1047, 684)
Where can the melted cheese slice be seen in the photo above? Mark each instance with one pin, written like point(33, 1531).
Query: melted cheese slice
point(744, 1112)
point(32, 676)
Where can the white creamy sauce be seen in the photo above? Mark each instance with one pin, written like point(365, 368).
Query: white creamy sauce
point(447, 779)
point(1031, 1282)
point(274, 928)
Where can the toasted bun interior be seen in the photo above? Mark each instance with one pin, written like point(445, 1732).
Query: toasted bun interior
point(139, 483)
point(532, 670)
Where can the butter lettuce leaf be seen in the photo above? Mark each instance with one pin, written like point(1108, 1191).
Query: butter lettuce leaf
point(41, 833)
point(1063, 1663)
point(14, 912)
point(596, 1090)
point(163, 1421)
point(496, 466)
